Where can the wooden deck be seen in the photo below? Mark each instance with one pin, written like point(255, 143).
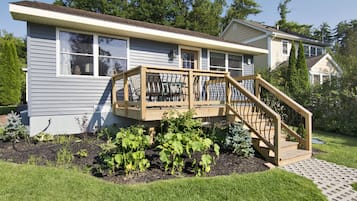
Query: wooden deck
point(146, 93)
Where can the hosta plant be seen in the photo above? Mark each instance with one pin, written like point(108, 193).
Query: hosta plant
point(183, 138)
point(127, 150)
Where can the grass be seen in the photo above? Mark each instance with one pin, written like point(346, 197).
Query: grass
point(339, 149)
point(354, 186)
point(28, 182)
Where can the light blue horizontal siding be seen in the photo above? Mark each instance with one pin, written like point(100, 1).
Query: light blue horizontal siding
point(51, 95)
point(152, 53)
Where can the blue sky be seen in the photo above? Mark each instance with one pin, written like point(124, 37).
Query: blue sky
point(312, 12)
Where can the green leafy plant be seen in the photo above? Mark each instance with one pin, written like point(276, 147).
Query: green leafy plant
point(127, 150)
point(183, 137)
point(82, 153)
point(64, 157)
point(14, 130)
point(238, 140)
point(108, 133)
point(43, 137)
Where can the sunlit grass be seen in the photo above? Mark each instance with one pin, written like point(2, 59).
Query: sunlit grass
point(339, 149)
point(28, 182)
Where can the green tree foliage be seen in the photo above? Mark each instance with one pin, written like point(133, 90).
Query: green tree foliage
point(240, 9)
point(288, 26)
point(10, 76)
point(323, 33)
point(346, 38)
point(205, 16)
point(302, 88)
point(292, 74)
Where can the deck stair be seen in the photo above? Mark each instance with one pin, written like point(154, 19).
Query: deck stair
point(271, 116)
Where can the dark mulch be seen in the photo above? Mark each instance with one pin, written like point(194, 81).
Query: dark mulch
point(226, 163)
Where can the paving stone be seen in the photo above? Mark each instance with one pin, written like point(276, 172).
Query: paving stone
point(333, 180)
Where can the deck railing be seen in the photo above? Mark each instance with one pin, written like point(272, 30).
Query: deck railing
point(296, 121)
point(166, 88)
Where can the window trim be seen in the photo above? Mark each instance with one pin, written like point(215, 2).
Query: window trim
point(199, 56)
point(312, 74)
point(95, 53)
point(287, 47)
point(226, 61)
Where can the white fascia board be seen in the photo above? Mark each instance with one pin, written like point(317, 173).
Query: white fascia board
point(80, 22)
point(297, 38)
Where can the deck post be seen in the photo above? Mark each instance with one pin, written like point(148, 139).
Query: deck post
point(308, 131)
point(114, 94)
point(228, 96)
point(257, 86)
point(277, 132)
point(126, 93)
point(143, 92)
point(190, 90)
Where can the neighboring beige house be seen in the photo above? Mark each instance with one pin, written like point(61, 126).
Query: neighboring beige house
point(278, 43)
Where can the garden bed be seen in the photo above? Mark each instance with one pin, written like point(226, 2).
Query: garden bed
point(45, 153)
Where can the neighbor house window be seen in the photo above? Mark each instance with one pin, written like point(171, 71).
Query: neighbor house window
point(91, 54)
point(285, 47)
point(317, 79)
point(311, 51)
point(226, 62)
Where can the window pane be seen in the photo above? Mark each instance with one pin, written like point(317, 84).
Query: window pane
point(76, 65)
point(316, 79)
point(319, 51)
point(188, 59)
point(76, 43)
point(285, 47)
point(110, 66)
point(217, 59)
point(313, 51)
point(234, 61)
point(325, 78)
point(306, 50)
point(217, 69)
point(112, 47)
point(235, 73)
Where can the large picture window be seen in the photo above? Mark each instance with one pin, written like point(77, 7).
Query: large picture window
point(91, 55)
point(226, 62)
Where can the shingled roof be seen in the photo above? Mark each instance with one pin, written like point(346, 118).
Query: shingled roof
point(83, 13)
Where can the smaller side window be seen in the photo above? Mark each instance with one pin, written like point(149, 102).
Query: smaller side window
point(313, 51)
point(285, 47)
point(307, 50)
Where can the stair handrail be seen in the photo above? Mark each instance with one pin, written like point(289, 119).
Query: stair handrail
point(277, 119)
point(260, 82)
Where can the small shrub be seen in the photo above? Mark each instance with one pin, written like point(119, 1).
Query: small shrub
point(184, 137)
point(7, 109)
point(43, 137)
point(36, 160)
point(108, 133)
point(14, 130)
point(238, 140)
point(126, 150)
point(64, 157)
point(82, 153)
point(64, 139)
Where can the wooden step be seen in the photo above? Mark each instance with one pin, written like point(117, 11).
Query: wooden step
point(288, 145)
point(291, 156)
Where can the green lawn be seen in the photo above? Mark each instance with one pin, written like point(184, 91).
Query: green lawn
point(354, 186)
point(338, 149)
point(27, 182)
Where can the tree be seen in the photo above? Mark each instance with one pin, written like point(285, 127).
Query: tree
point(291, 27)
point(303, 84)
point(240, 9)
point(205, 16)
point(283, 11)
point(346, 38)
point(323, 33)
point(10, 76)
point(292, 74)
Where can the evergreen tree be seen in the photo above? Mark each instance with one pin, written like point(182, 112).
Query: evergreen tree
point(323, 33)
point(240, 9)
point(292, 74)
point(10, 76)
point(303, 85)
point(283, 11)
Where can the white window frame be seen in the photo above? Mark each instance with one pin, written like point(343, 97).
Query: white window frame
point(95, 53)
point(226, 61)
point(316, 47)
point(199, 50)
point(287, 47)
point(321, 77)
